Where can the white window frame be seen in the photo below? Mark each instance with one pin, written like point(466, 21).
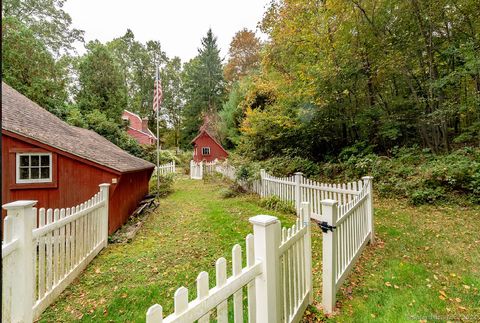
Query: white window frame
point(37, 180)
point(209, 151)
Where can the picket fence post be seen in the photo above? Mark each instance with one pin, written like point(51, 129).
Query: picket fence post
point(329, 256)
point(298, 193)
point(105, 196)
point(262, 182)
point(266, 232)
point(371, 223)
point(23, 294)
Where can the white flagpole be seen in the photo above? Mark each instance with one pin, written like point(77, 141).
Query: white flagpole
point(158, 138)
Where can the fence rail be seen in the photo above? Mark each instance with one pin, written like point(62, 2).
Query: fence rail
point(50, 248)
point(277, 278)
point(167, 168)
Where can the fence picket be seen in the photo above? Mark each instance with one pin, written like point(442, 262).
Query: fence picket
point(41, 256)
point(237, 296)
point(251, 286)
point(202, 292)
point(62, 247)
point(49, 243)
point(181, 300)
point(221, 279)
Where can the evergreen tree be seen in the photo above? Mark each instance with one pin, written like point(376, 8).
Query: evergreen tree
point(204, 86)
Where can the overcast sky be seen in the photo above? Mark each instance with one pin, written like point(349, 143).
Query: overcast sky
point(179, 25)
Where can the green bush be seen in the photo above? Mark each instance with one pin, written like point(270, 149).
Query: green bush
point(232, 191)
point(274, 203)
point(165, 187)
point(427, 195)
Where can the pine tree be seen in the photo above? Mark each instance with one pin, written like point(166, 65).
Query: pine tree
point(204, 86)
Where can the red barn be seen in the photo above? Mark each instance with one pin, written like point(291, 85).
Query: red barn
point(138, 128)
point(60, 166)
point(207, 148)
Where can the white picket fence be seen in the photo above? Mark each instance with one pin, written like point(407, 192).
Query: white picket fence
point(226, 170)
point(43, 251)
point(345, 208)
point(277, 278)
point(196, 170)
point(167, 168)
point(347, 228)
point(209, 167)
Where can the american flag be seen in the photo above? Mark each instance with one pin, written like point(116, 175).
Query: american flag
point(157, 93)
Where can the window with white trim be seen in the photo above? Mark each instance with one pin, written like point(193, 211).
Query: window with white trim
point(205, 151)
point(34, 168)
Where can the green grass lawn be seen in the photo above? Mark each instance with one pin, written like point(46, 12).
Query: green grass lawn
point(425, 263)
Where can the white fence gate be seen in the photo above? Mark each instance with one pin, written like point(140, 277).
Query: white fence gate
point(44, 250)
point(167, 168)
point(277, 277)
point(344, 211)
point(196, 170)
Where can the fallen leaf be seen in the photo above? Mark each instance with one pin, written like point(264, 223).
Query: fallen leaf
point(388, 284)
point(396, 287)
point(443, 293)
point(458, 300)
point(466, 286)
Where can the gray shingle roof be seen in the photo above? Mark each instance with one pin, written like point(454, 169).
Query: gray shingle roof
point(22, 116)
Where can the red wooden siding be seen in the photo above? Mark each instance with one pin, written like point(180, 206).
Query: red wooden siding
point(141, 137)
point(73, 183)
point(216, 151)
point(138, 128)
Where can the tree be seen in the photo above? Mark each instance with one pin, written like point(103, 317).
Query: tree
point(244, 55)
point(137, 63)
point(101, 84)
point(30, 68)
point(173, 103)
point(377, 74)
point(49, 23)
point(204, 86)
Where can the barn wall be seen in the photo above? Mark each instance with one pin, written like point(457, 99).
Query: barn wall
point(75, 183)
point(216, 151)
point(131, 189)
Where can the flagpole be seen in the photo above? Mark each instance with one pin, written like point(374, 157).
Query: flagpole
point(158, 138)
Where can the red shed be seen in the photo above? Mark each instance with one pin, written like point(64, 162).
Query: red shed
point(207, 148)
point(138, 128)
point(47, 160)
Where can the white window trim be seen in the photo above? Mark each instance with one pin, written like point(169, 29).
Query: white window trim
point(209, 151)
point(28, 181)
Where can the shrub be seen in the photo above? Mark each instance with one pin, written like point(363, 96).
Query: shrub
point(274, 203)
point(426, 195)
point(165, 187)
point(232, 191)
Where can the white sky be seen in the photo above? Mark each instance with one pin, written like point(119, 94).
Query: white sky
point(179, 25)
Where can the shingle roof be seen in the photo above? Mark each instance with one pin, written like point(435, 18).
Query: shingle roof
point(26, 118)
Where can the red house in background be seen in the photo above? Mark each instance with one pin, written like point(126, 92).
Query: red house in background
point(207, 148)
point(48, 160)
point(138, 128)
